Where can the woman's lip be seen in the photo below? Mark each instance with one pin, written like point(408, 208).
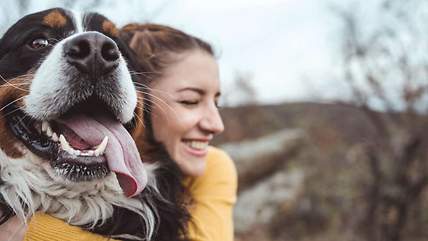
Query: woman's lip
point(196, 152)
point(196, 139)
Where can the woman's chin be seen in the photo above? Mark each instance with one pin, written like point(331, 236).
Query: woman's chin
point(191, 165)
point(196, 170)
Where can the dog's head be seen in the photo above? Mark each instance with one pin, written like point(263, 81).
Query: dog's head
point(67, 100)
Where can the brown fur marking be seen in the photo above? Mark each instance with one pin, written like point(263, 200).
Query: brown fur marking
point(55, 19)
point(11, 91)
point(110, 29)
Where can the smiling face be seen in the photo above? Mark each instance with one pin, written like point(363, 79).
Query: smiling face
point(185, 116)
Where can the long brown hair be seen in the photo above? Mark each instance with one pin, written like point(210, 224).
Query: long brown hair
point(156, 44)
point(155, 47)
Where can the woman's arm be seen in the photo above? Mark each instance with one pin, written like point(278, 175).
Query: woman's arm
point(13, 230)
point(214, 195)
point(43, 227)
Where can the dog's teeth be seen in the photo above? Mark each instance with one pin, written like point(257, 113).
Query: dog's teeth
point(101, 147)
point(55, 137)
point(45, 125)
point(65, 146)
point(47, 128)
point(63, 141)
point(77, 152)
point(87, 153)
point(49, 131)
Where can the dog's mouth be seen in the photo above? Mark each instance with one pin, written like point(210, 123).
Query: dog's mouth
point(84, 144)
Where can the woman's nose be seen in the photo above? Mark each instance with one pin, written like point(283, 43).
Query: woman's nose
point(212, 121)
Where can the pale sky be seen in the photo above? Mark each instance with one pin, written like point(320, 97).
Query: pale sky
point(286, 45)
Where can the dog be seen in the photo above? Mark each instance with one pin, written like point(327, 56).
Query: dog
point(69, 114)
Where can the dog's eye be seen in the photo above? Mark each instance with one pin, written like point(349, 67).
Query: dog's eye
point(39, 43)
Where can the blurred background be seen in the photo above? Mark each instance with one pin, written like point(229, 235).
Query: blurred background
point(325, 106)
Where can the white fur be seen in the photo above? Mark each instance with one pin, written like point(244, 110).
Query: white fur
point(31, 185)
point(128, 90)
point(49, 81)
point(78, 18)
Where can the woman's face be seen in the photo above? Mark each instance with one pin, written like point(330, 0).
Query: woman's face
point(184, 113)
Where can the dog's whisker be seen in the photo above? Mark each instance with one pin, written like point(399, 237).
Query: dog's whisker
point(157, 99)
point(139, 119)
point(11, 112)
point(11, 103)
point(154, 102)
point(145, 110)
point(147, 73)
point(11, 84)
point(152, 95)
point(137, 83)
point(153, 90)
point(142, 87)
point(21, 84)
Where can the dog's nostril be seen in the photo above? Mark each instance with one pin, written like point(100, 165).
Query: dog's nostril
point(79, 50)
point(109, 51)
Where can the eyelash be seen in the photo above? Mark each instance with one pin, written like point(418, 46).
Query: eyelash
point(187, 102)
point(195, 102)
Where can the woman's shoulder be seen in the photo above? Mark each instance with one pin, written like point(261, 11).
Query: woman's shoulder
point(219, 163)
point(219, 179)
point(213, 196)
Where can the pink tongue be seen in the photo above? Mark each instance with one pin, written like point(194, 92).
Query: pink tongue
point(121, 152)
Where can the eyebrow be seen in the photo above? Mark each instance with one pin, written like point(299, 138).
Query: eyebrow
point(197, 90)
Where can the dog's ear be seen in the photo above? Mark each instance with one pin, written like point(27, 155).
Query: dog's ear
point(1, 49)
point(2, 53)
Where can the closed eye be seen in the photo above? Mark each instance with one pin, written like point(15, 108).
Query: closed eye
point(189, 102)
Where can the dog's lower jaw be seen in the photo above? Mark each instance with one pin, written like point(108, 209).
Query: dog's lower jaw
point(28, 187)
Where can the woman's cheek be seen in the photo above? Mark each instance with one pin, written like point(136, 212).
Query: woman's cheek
point(188, 124)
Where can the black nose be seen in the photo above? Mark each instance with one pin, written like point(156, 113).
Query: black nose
point(92, 53)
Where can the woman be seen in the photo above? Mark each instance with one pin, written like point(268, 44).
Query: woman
point(183, 80)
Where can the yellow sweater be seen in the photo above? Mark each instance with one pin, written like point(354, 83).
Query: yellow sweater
point(213, 193)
